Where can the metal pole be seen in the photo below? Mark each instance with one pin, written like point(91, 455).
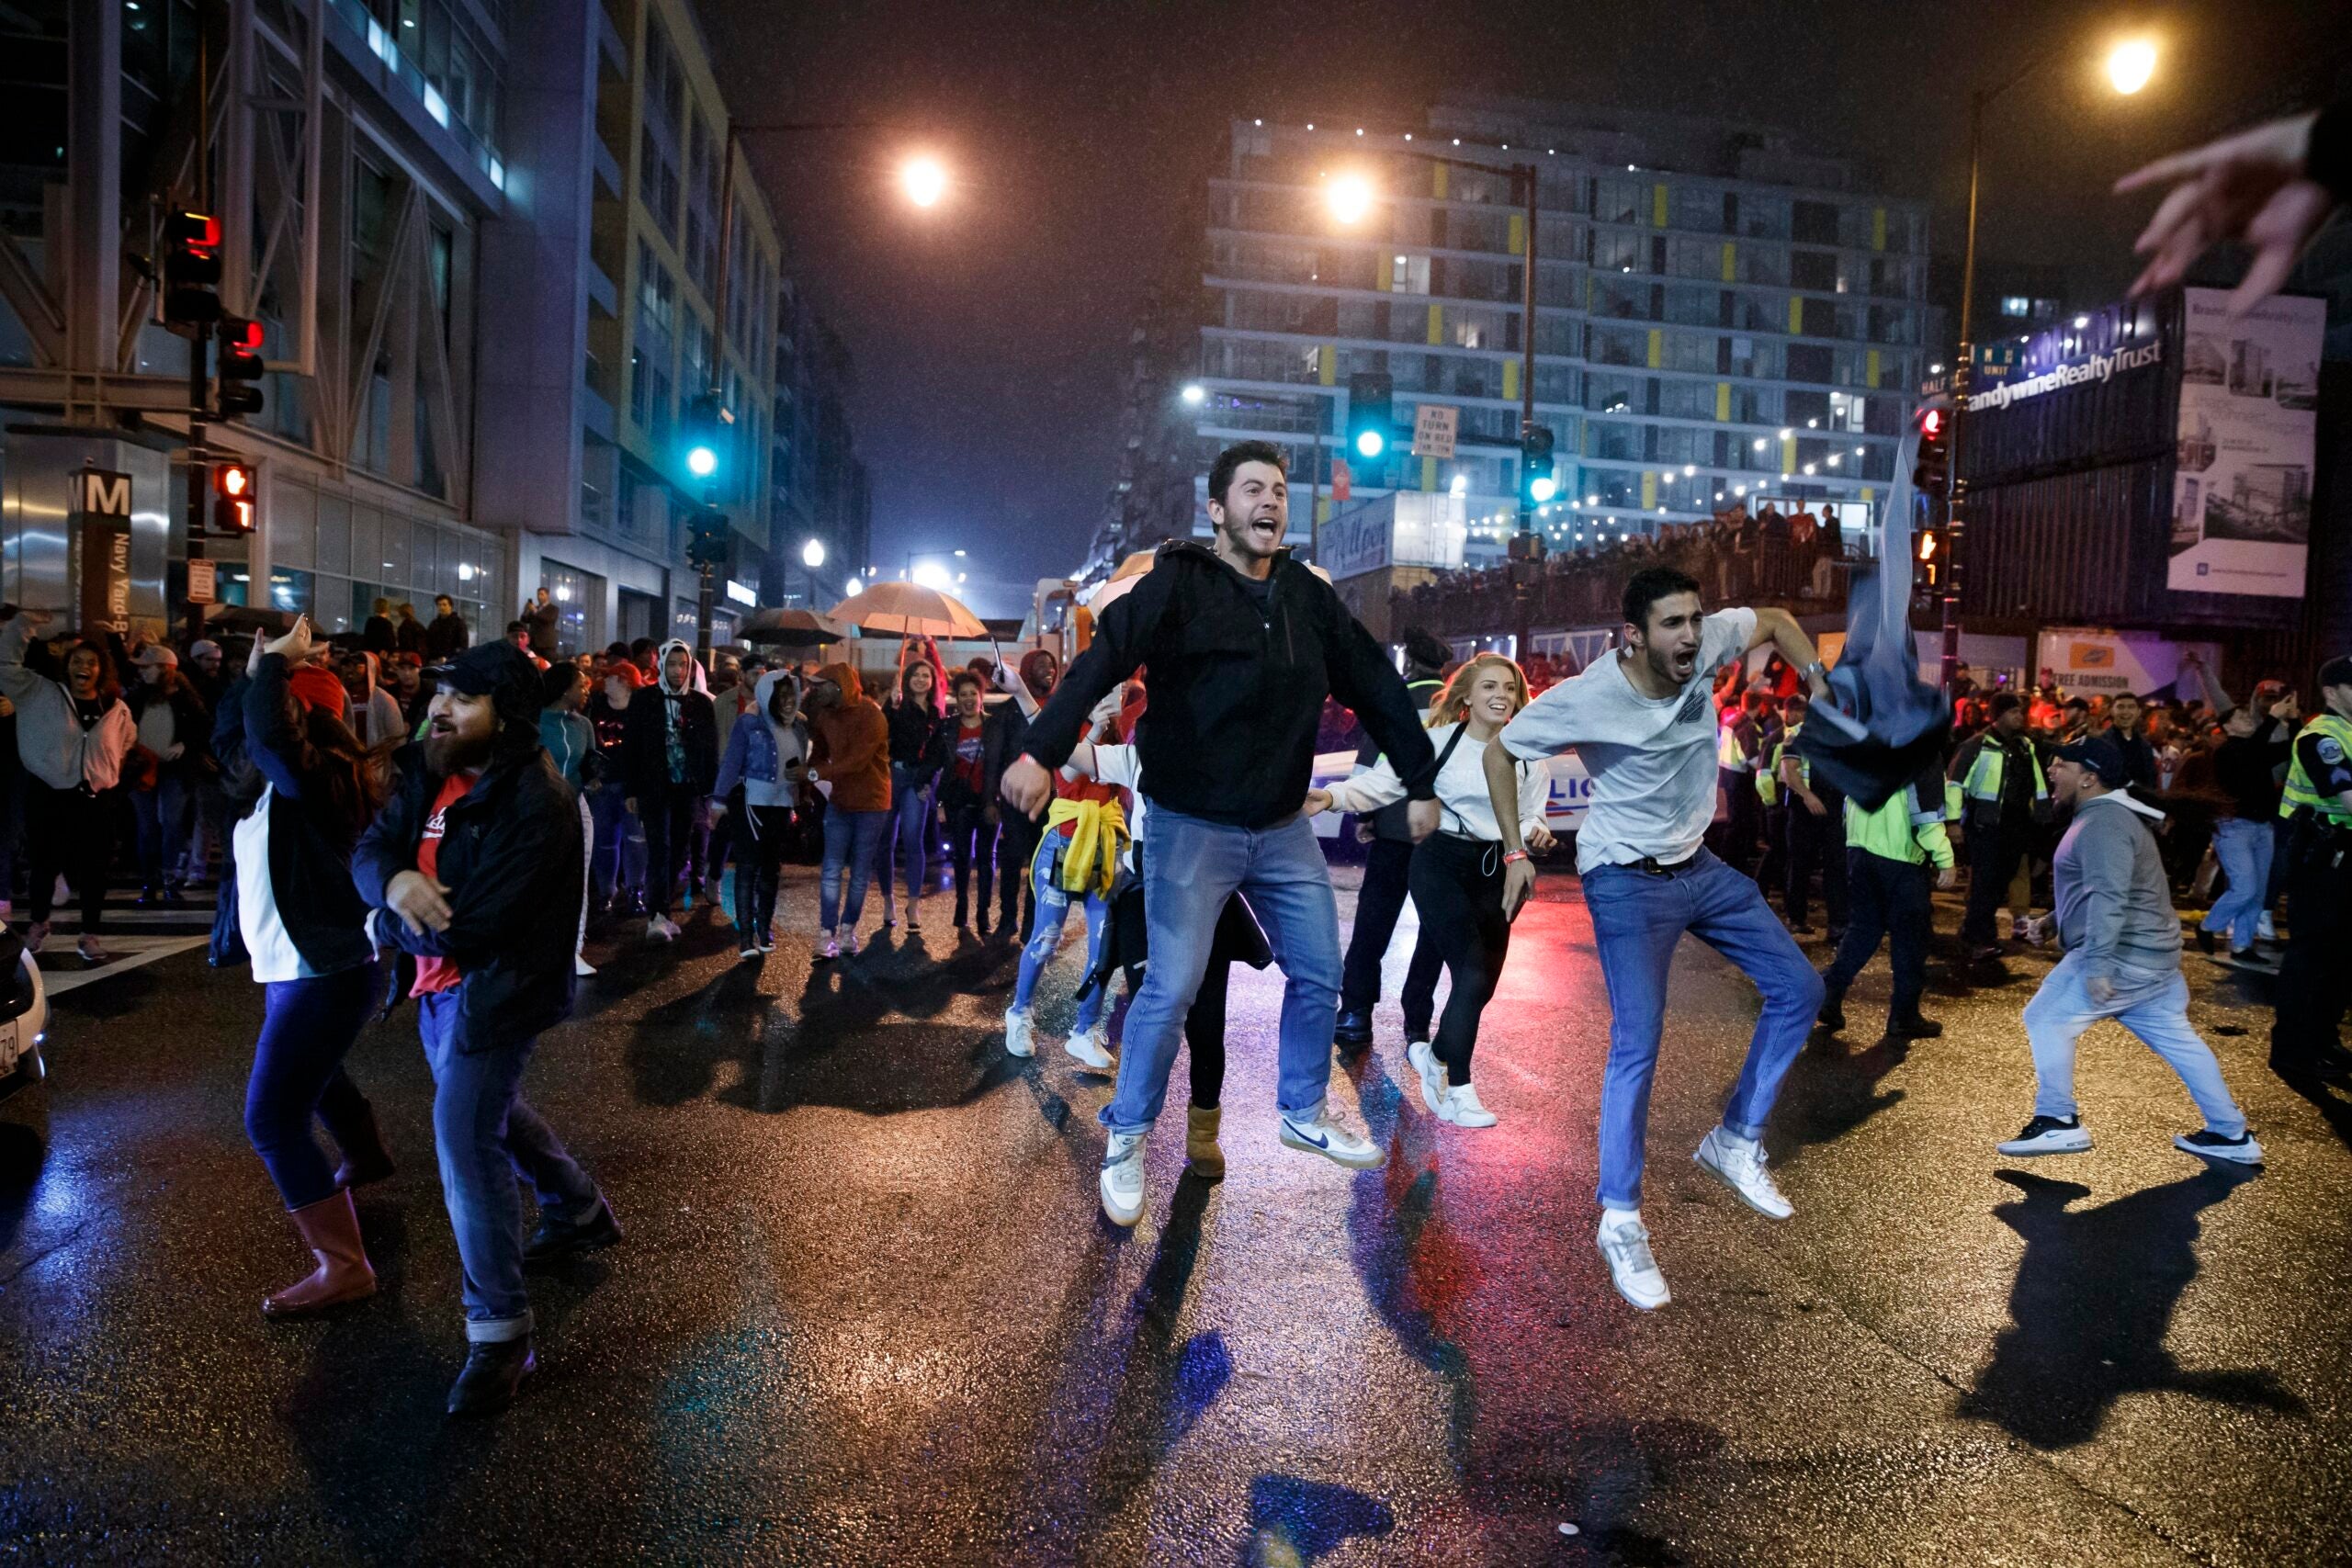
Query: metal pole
point(199, 342)
point(1524, 598)
point(717, 372)
point(1955, 504)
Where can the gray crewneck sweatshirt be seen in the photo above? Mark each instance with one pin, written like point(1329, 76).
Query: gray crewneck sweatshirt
point(2114, 904)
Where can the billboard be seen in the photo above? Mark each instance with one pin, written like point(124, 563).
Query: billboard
point(2089, 661)
point(2243, 444)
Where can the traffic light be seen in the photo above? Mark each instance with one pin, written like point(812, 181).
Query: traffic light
point(240, 367)
point(233, 498)
point(1372, 417)
point(191, 272)
point(1932, 471)
point(1536, 481)
point(706, 538)
point(706, 423)
point(1928, 559)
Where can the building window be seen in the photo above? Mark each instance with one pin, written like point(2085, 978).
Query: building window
point(1409, 275)
point(2015, 305)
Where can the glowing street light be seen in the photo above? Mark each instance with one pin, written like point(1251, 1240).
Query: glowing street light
point(924, 181)
point(812, 553)
point(1350, 198)
point(930, 574)
point(1196, 394)
point(857, 587)
point(2129, 64)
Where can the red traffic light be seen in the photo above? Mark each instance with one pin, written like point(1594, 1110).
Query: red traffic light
point(194, 230)
point(241, 333)
point(1931, 423)
point(233, 482)
point(1927, 544)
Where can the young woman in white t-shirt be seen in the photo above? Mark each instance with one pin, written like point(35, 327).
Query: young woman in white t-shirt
point(1456, 878)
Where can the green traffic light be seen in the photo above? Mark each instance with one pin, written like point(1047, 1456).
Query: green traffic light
point(702, 462)
point(1370, 443)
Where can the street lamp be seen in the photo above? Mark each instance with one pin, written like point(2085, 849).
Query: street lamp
point(1196, 394)
point(924, 180)
point(2129, 64)
point(2129, 67)
point(812, 553)
point(1350, 198)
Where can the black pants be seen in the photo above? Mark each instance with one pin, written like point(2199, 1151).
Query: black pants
point(669, 820)
point(2315, 979)
point(1419, 997)
point(1022, 835)
point(1994, 851)
point(1458, 887)
point(1773, 870)
point(1892, 900)
point(68, 831)
point(971, 841)
point(1205, 1033)
point(760, 834)
point(1816, 842)
point(1744, 816)
point(1386, 865)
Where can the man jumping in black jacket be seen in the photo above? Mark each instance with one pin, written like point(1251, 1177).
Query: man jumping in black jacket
point(1243, 644)
point(479, 842)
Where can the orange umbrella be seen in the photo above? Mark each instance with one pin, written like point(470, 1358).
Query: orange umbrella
point(909, 610)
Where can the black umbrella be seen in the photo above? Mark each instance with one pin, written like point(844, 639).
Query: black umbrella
point(790, 628)
point(247, 618)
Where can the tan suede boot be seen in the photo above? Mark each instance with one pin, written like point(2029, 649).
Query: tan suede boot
point(330, 1229)
point(1200, 1152)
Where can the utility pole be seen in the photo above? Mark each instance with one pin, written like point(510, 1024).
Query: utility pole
point(1962, 375)
point(199, 342)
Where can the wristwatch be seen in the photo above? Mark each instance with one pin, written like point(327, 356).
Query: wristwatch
point(1817, 671)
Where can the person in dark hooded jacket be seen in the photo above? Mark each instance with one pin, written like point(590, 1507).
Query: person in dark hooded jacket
point(478, 846)
point(671, 760)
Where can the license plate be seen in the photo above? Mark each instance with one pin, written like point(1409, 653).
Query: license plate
point(8, 1051)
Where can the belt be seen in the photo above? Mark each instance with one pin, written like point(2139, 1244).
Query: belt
point(1652, 866)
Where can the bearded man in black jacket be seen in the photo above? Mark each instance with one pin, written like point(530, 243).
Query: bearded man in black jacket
point(1243, 645)
point(479, 840)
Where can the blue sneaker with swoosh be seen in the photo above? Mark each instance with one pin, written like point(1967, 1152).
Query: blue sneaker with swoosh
point(1317, 1133)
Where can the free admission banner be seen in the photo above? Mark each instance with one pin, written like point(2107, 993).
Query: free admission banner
point(2242, 489)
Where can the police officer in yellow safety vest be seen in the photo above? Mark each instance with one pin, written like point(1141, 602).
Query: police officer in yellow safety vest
point(2003, 791)
point(2315, 979)
point(1889, 854)
point(1815, 832)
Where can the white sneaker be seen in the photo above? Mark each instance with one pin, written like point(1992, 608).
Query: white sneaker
point(658, 929)
point(2240, 1150)
point(749, 951)
point(1625, 1244)
point(1740, 1162)
point(1319, 1135)
point(1461, 1107)
point(1122, 1181)
point(1424, 1062)
point(580, 967)
point(849, 941)
point(1087, 1046)
point(2264, 929)
point(2049, 1135)
point(1020, 1034)
point(828, 948)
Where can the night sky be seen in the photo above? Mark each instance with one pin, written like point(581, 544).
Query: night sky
point(991, 333)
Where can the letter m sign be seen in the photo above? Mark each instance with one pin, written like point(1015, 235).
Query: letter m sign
point(104, 493)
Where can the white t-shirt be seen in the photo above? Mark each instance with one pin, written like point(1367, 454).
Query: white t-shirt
point(271, 947)
point(1464, 806)
point(1652, 761)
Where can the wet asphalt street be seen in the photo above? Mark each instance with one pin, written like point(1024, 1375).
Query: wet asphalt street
point(866, 1312)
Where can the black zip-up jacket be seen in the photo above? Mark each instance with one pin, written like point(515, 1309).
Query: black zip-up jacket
point(510, 856)
point(945, 735)
point(645, 743)
point(1237, 691)
point(310, 838)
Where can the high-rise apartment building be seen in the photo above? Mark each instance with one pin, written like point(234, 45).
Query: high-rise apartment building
point(1721, 314)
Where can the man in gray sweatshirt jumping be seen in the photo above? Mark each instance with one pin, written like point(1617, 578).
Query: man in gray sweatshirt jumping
point(2121, 938)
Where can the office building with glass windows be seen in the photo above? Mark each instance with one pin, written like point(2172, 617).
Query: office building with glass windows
point(1721, 314)
point(481, 238)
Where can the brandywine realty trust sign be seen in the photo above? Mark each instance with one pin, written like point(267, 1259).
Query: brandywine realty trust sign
point(2092, 367)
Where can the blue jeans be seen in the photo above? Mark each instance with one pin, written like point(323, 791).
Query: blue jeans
point(1053, 911)
point(308, 1027)
point(486, 1134)
point(909, 840)
point(2152, 1004)
point(2245, 849)
point(616, 867)
point(1637, 919)
point(852, 842)
point(161, 817)
point(1193, 868)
